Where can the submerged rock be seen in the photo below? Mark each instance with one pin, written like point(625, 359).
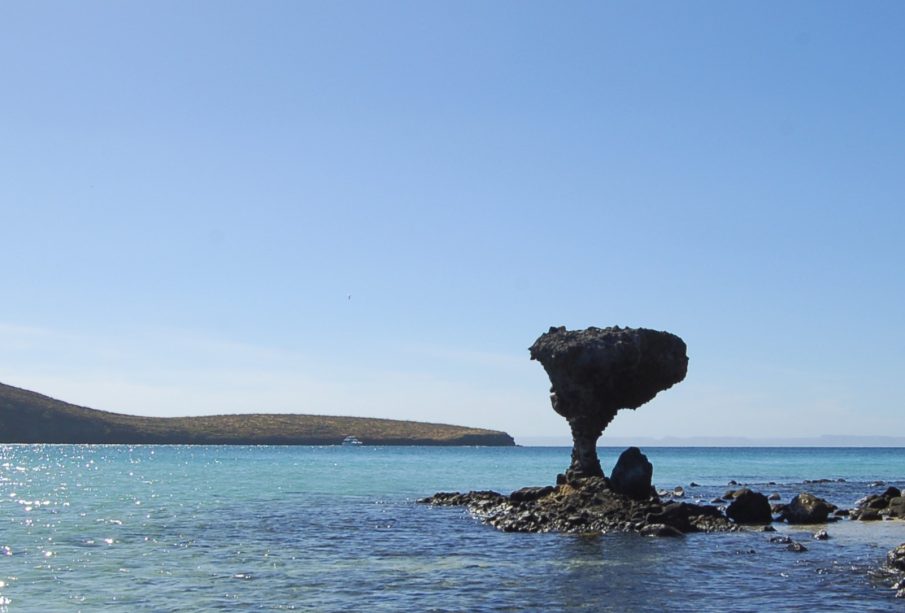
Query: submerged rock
point(598, 371)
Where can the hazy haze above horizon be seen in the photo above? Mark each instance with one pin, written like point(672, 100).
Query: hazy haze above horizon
point(373, 209)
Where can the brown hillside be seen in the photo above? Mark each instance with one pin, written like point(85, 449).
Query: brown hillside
point(29, 417)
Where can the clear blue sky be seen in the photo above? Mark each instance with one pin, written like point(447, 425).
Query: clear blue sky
point(190, 192)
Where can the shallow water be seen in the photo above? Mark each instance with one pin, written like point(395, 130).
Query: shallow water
point(336, 528)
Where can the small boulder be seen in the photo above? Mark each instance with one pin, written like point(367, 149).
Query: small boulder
point(632, 474)
point(892, 492)
point(806, 508)
point(821, 535)
point(750, 508)
point(869, 515)
point(896, 507)
point(796, 547)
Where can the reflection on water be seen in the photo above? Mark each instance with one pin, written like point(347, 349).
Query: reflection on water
point(180, 528)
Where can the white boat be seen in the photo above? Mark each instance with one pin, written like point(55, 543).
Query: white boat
point(351, 441)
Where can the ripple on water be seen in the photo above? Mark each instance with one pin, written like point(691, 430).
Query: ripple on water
point(247, 528)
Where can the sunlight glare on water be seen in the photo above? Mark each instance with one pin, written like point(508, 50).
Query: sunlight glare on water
point(333, 528)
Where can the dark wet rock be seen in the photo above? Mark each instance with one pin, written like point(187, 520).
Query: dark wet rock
point(821, 535)
point(878, 502)
point(531, 493)
point(598, 371)
point(782, 539)
point(805, 508)
point(693, 484)
point(687, 517)
point(678, 492)
point(896, 507)
point(717, 500)
point(876, 484)
point(750, 507)
point(868, 515)
point(732, 482)
point(585, 506)
point(660, 530)
point(632, 474)
point(895, 567)
point(451, 499)
point(768, 528)
point(774, 496)
point(796, 547)
point(841, 513)
point(889, 504)
point(892, 492)
point(895, 559)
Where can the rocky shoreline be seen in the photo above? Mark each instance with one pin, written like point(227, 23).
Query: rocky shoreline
point(584, 506)
point(596, 372)
point(600, 505)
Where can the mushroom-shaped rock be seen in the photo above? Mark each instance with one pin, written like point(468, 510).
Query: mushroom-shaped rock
point(598, 371)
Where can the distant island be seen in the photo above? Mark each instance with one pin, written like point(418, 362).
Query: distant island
point(29, 417)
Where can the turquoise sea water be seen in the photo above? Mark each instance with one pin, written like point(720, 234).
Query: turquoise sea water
point(337, 529)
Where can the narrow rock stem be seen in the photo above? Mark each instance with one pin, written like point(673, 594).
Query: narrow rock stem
point(584, 450)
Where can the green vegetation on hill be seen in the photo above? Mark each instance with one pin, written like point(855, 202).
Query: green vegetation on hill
point(29, 417)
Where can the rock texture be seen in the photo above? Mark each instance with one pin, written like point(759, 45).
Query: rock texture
point(598, 371)
point(890, 503)
point(749, 507)
point(895, 565)
point(806, 508)
point(632, 474)
point(585, 506)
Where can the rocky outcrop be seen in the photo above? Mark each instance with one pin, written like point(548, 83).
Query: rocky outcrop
point(889, 504)
point(632, 474)
point(895, 559)
point(598, 371)
point(806, 508)
point(895, 566)
point(749, 507)
point(584, 506)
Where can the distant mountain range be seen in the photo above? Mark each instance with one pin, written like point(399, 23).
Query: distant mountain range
point(29, 417)
point(825, 440)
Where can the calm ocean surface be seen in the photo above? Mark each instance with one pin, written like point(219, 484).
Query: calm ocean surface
point(144, 528)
